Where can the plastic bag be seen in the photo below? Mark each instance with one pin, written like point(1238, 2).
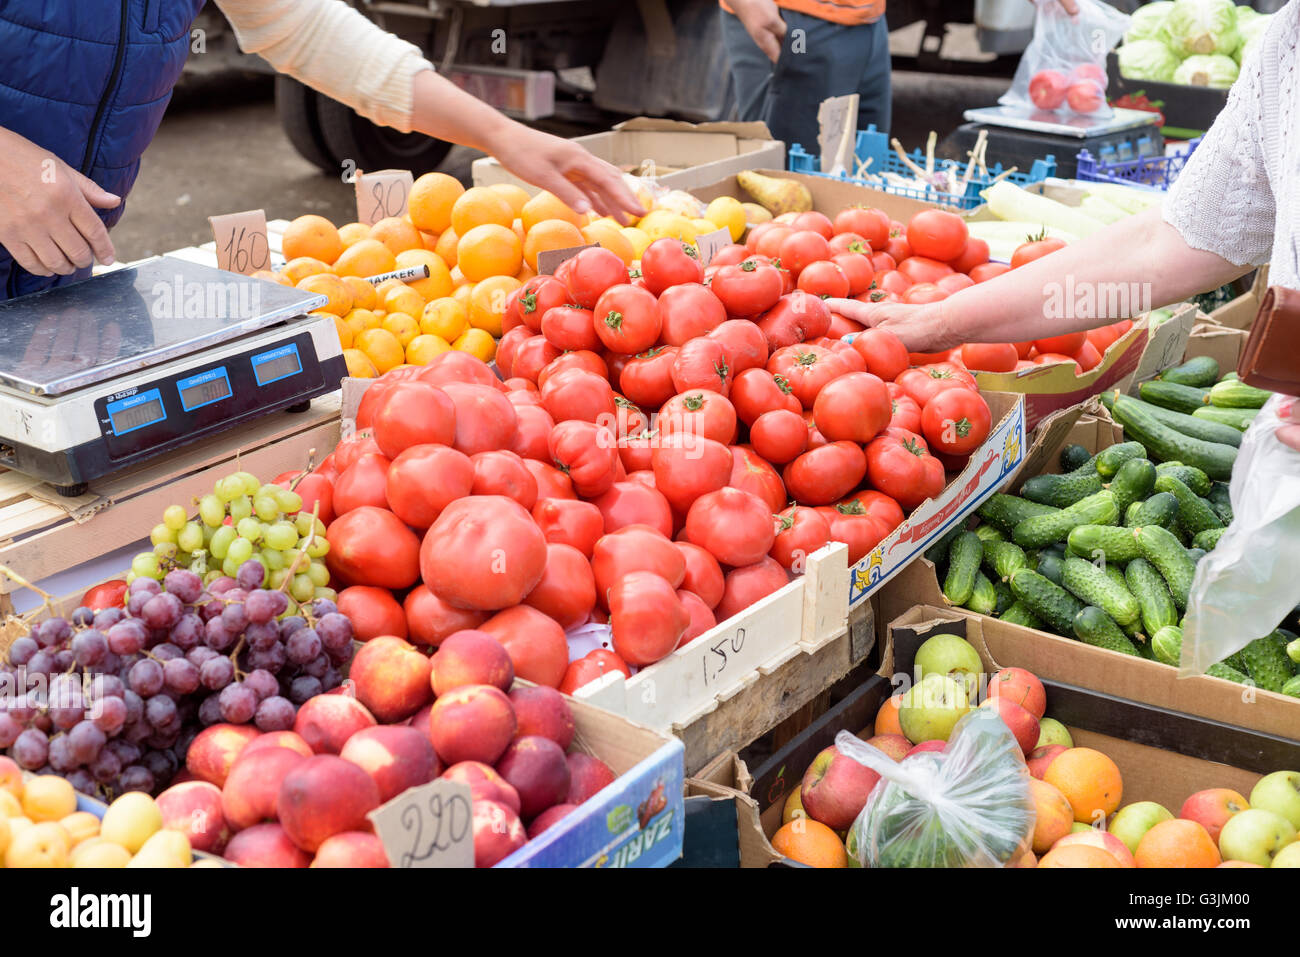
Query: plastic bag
point(1063, 70)
point(966, 806)
point(1247, 584)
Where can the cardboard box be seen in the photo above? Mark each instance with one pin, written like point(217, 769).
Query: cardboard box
point(1240, 312)
point(1224, 344)
point(679, 155)
point(829, 196)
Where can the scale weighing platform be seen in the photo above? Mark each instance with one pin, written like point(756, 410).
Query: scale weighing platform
point(126, 366)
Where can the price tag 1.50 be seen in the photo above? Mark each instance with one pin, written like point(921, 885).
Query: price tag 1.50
point(382, 194)
point(241, 241)
point(428, 826)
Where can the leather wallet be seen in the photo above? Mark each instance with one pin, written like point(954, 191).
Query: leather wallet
point(1271, 359)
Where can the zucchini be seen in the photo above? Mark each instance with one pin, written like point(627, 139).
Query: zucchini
point(1049, 566)
point(1194, 513)
point(1239, 419)
point(1003, 559)
point(1267, 662)
point(1050, 602)
point(937, 553)
point(1005, 598)
point(1167, 643)
point(1155, 604)
point(1228, 673)
point(1097, 509)
point(1159, 509)
point(1008, 511)
point(1093, 586)
point(1192, 477)
point(1019, 614)
point(1235, 394)
point(983, 597)
point(1221, 502)
point(1212, 458)
point(1110, 459)
point(1117, 544)
point(1162, 549)
point(1199, 371)
point(963, 565)
point(1094, 627)
point(1061, 491)
point(1196, 426)
point(1132, 483)
point(989, 533)
point(1171, 395)
point(1074, 457)
point(1207, 539)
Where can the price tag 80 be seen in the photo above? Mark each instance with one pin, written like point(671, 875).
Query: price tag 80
point(382, 194)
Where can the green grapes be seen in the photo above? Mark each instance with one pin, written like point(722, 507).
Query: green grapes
point(249, 528)
point(281, 536)
point(241, 508)
point(162, 533)
point(221, 540)
point(240, 551)
point(190, 537)
point(212, 510)
point(266, 508)
point(174, 517)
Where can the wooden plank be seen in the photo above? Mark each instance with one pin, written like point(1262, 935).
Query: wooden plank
point(14, 485)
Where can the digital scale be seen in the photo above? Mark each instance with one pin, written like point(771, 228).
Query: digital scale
point(126, 366)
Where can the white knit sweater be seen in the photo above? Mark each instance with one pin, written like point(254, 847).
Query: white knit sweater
point(334, 49)
point(1239, 194)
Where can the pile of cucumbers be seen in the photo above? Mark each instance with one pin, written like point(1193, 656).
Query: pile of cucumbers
point(1105, 551)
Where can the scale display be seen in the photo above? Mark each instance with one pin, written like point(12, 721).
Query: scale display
point(135, 412)
point(204, 388)
point(277, 364)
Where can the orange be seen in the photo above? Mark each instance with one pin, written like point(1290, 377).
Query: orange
point(345, 332)
point(313, 236)
point(429, 240)
point(518, 227)
point(1053, 814)
point(478, 343)
point(397, 234)
point(446, 247)
point(381, 289)
point(1078, 855)
point(810, 842)
point(462, 293)
point(270, 276)
point(489, 250)
point(359, 320)
point(488, 302)
point(359, 364)
point(363, 294)
point(328, 284)
point(438, 282)
point(545, 206)
point(353, 232)
point(525, 273)
point(479, 206)
point(1176, 843)
point(296, 270)
point(887, 717)
point(516, 196)
point(401, 325)
point(382, 348)
point(637, 237)
point(445, 318)
point(609, 236)
point(402, 298)
point(424, 347)
point(431, 199)
point(550, 234)
point(1089, 780)
point(365, 258)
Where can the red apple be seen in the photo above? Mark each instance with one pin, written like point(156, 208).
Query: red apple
point(894, 745)
point(324, 796)
point(1212, 808)
point(351, 849)
point(391, 677)
point(326, 721)
point(536, 768)
point(278, 739)
point(194, 809)
point(396, 756)
point(265, 845)
point(473, 723)
point(214, 750)
point(1108, 842)
point(253, 786)
point(1047, 89)
point(544, 711)
point(471, 658)
point(835, 788)
point(1084, 97)
point(498, 833)
point(1040, 758)
point(1021, 687)
point(1022, 724)
point(587, 777)
point(550, 816)
point(934, 744)
point(484, 783)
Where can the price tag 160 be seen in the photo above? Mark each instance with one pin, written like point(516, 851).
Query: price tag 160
point(382, 194)
point(428, 826)
point(241, 241)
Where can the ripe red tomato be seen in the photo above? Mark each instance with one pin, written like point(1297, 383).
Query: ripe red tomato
point(729, 255)
point(987, 271)
point(856, 528)
point(551, 482)
point(769, 243)
point(532, 433)
point(626, 319)
point(747, 288)
point(576, 394)
point(632, 503)
point(743, 343)
point(955, 282)
point(413, 413)
point(588, 454)
point(905, 412)
point(900, 465)
point(817, 222)
point(975, 253)
point(362, 483)
point(749, 584)
point(871, 224)
point(923, 292)
point(891, 281)
point(802, 248)
point(807, 368)
point(635, 548)
point(734, 526)
point(919, 269)
point(591, 666)
point(701, 616)
point(456, 366)
point(873, 503)
point(567, 589)
point(857, 270)
point(583, 359)
point(372, 611)
point(504, 473)
point(702, 364)
point(883, 352)
point(429, 619)
point(897, 246)
point(531, 357)
point(506, 347)
point(955, 422)
point(800, 531)
point(372, 546)
point(824, 279)
point(535, 642)
point(688, 466)
point(566, 521)
point(687, 311)
point(647, 379)
point(316, 492)
point(849, 242)
point(530, 302)
point(883, 262)
point(424, 480)
point(825, 474)
point(751, 473)
point(841, 327)
point(646, 617)
point(699, 412)
point(855, 407)
point(1067, 344)
point(485, 418)
point(570, 327)
point(588, 274)
point(635, 451)
point(669, 262)
point(1088, 357)
point(756, 391)
point(483, 552)
point(703, 573)
point(989, 357)
point(923, 383)
point(780, 436)
point(937, 234)
point(1035, 249)
point(110, 594)
point(795, 318)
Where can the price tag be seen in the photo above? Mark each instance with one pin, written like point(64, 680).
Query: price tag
point(550, 260)
point(241, 241)
point(382, 194)
point(837, 118)
point(710, 244)
point(719, 657)
point(428, 826)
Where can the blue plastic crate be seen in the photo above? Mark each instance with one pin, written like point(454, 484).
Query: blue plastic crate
point(1157, 172)
point(874, 145)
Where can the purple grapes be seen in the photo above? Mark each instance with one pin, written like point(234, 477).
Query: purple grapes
point(264, 606)
point(303, 646)
point(188, 632)
point(216, 673)
point(162, 611)
point(31, 749)
point(303, 688)
point(86, 741)
point(238, 704)
point(127, 637)
point(197, 656)
point(138, 778)
point(335, 632)
point(184, 584)
point(272, 659)
point(105, 767)
point(62, 754)
point(22, 650)
point(9, 729)
point(90, 648)
point(181, 675)
point(275, 714)
point(262, 636)
point(146, 677)
point(250, 575)
point(210, 710)
point(235, 617)
point(217, 636)
point(106, 618)
point(161, 712)
point(109, 715)
point(262, 683)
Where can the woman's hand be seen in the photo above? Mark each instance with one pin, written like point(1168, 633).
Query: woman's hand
point(922, 328)
point(566, 169)
point(1290, 434)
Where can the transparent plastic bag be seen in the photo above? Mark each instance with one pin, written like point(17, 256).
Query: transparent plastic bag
point(1063, 70)
point(1247, 584)
point(966, 806)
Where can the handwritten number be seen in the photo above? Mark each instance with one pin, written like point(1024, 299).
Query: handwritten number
point(413, 819)
point(449, 823)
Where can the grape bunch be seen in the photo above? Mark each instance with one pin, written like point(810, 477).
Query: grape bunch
point(240, 521)
point(111, 699)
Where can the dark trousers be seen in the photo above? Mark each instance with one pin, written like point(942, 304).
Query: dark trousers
point(818, 59)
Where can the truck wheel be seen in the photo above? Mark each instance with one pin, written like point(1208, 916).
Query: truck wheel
point(296, 106)
point(350, 136)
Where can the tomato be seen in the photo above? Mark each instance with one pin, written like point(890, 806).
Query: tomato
point(756, 391)
point(873, 503)
point(632, 503)
point(747, 288)
point(744, 586)
point(796, 318)
point(580, 395)
point(372, 611)
point(532, 433)
point(900, 465)
point(703, 573)
point(1088, 357)
point(905, 412)
point(429, 619)
point(587, 453)
point(937, 234)
point(485, 419)
point(883, 262)
point(857, 270)
point(922, 383)
point(376, 390)
point(699, 412)
point(457, 366)
point(987, 271)
point(110, 594)
point(743, 345)
point(729, 255)
point(955, 422)
point(582, 359)
point(871, 224)
point(734, 526)
point(313, 489)
point(807, 368)
point(372, 546)
point(974, 253)
point(688, 466)
point(1102, 338)
point(824, 279)
point(1034, 249)
point(424, 480)
point(531, 357)
point(530, 302)
point(506, 347)
point(567, 589)
point(628, 418)
point(769, 244)
point(855, 407)
point(701, 617)
point(1056, 358)
point(799, 532)
point(779, 436)
point(483, 552)
point(687, 311)
point(566, 521)
point(328, 468)
point(883, 352)
point(897, 246)
point(362, 483)
point(627, 319)
point(801, 249)
point(841, 327)
point(826, 474)
point(646, 618)
point(588, 274)
point(751, 473)
point(635, 451)
point(349, 450)
point(1066, 344)
point(504, 473)
point(923, 293)
point(569, 327)
point(989, 357)
point(669, 262)
point(551, 482)
point(891, 281)
point(635, 548)
point(535, 641)
point(702, 364)
point(817, 222)
point(593, 665)
point(955, 282)
point(849, 242)
point(857, 529)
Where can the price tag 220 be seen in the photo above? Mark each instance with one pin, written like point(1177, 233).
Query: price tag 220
point(382, 194)
point(428, 826)
point(241, 241)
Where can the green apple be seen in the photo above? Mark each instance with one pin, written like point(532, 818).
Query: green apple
point(1134, 820)
point(1289, 856)
point(1051, 731)
point(930, 709)
point(1255, 835)
point(950, 655)
point(1279, 792)
point(1077, 828)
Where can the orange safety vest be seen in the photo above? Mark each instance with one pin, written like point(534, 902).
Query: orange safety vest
point(847, 12)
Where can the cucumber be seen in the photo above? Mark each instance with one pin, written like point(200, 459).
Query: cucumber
point(1196, 427)
point(937, 553)
point(1171, 395)
point(1008, 511)
point(1049, 566)
point(1193, 478)
point(1050, 602)
point(1073, 457)
point(963, 565)
point(1267, 663)
point(1221, 502)
point(989, 533)
point(1292, 687)
point(1005, 598)
point(1199, 371)
point(1094, 627)
point(1093, 586)
point(1196, 554)
point(1194, 513)
point(1061, 491)
point(1235, 394)
point(1003, 559)
point(1227, 673)
point(1162, 549)
point(1167, 643)
point(1142, 645)
point(1117, 544)
point(1239, 419)
point(1293, 650)
point(1110, 459)
point(1097, 509)
point(1132, 483)
point(1207, 539)
point(1212, 458)
point(1231, 375)
point(984, 597)
point(1056, 550)
point(1155, 604)
point(1234, 661)
point(1159, 509)
point(1019, 614)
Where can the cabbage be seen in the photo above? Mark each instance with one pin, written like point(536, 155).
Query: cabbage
point(1202, 26)
point(1145, 23)
point(1147, 60)
point(1213, 70)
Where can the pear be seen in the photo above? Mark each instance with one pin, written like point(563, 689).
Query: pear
point(777, 195)
point(164, 849)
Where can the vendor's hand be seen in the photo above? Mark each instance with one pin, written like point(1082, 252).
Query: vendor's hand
point(762, 21)
point(47, 211)
point(566, 169)
point(1290, 434)
point(922, 328)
